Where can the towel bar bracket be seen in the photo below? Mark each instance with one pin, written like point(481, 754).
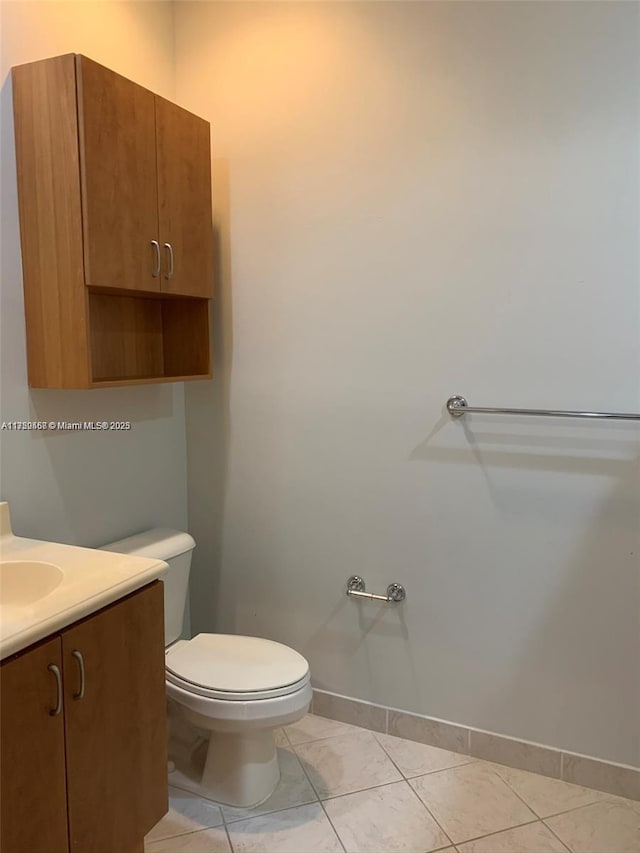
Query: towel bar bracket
point(455, 404)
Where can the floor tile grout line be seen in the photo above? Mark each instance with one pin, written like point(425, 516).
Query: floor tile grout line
point(362, 790)
point(579, 808)
point(184, 834)
point(422, 803)
point(278, 811)
point(374, 787)
point(228, 834)
point(555, 834)
point(295, 744)
point(469, 759)
point(538, 819)
point(429, 812)
point(187, 831)
point(574, 809)
point(497, 832)
point(283, 729)
point(304, 770)
point(555, 814)
point(444, 769)
point(375, 732)
point(272, 811)
point(335, 737)
point(313, 788)
point(513, 790)
point(326, 813)
point(328, 737)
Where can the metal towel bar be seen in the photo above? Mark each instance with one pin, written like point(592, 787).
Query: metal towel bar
point(458, 406)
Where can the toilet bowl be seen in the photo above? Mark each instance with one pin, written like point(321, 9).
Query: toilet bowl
point(239, 689)
point(231, 692)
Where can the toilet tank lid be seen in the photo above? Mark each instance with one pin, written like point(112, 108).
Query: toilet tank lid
point(159, 543)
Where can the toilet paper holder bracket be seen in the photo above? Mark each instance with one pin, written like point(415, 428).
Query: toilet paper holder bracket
point(356, 588)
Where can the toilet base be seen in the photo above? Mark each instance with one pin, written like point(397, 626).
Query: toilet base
point(241, 769)
point(238, 770)
point(225, 749)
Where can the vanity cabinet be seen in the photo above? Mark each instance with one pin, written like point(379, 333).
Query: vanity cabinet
point(33, 792)
point(114, 192)
point(91, 778)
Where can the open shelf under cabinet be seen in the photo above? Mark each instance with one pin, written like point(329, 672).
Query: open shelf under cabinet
point(137, 340)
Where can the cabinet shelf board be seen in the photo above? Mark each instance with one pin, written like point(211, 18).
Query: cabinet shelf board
point(109, 382)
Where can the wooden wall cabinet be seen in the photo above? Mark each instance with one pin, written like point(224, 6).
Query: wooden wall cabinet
point(91, 778)
point(114, 191)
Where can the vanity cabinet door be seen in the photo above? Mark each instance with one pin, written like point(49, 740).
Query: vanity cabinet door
point(115, 722)
point(184, 197)
point(116, 123)
point(33, 797)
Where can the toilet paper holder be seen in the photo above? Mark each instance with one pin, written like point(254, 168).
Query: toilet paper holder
point(356, 588)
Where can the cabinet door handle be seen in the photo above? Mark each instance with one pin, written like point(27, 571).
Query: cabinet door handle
point(78, 656)
point(156, 246)
point(56, 672)
point(169, 248)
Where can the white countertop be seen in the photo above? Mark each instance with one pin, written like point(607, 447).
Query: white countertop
point(92, 579)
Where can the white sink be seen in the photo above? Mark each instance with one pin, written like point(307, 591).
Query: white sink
point(23, 582)
point(46, 586)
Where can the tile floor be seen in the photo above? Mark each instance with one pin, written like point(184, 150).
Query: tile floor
point(347, 789)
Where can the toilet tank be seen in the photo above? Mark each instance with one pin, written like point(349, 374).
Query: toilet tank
point(174, 547)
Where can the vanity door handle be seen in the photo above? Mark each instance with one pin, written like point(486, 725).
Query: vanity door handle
point(78, 656)
point(169, 248)
point(156, 271)
point(56, 672)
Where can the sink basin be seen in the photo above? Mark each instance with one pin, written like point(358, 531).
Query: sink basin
point(22, 582)
point(46, 586)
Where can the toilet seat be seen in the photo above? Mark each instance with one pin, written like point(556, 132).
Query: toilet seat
point(236, 668)
point(251, 695)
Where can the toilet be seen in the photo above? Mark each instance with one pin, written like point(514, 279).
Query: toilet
point(230, 692)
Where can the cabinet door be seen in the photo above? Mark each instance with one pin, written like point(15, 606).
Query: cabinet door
point(115, 723)
point(184, 196)
point(118, 175)
point(33, 797)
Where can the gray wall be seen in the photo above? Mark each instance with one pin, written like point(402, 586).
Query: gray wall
point(85, 488)
point(411, 200)
point(415, 200)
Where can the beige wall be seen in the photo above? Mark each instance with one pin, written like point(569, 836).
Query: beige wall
point(133, 37)
point(87, 488)
point(415, 200)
